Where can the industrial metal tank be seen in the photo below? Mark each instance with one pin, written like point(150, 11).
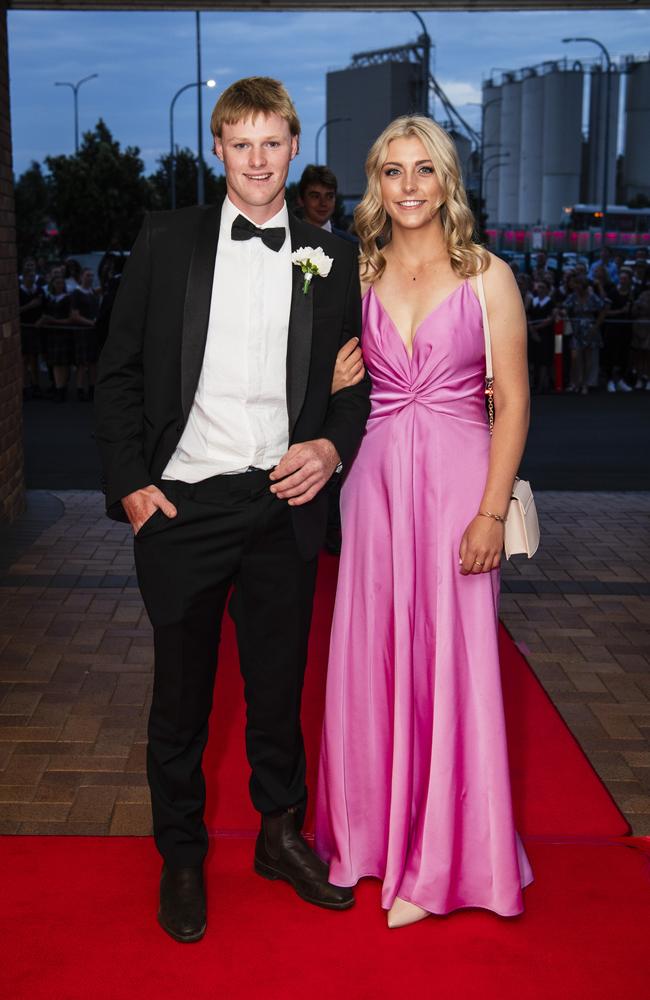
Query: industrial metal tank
point(596, 147)
point(510, 146)
point(491, 137)
point(530, 164)
point(636, 167)
point(561, 141)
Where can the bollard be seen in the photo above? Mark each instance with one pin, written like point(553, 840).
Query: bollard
point(558, 360)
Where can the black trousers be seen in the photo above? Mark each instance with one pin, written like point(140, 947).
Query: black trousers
point(230, 532)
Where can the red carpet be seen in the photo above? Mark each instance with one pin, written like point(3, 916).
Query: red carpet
point(77, 924)
point(76, 920)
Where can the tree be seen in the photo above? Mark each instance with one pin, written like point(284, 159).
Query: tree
point(32, 200)
point(98, 195)
point(186, 172)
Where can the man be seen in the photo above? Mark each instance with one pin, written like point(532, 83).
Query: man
point(317, 189)
point(218, 432)
point(604, 259)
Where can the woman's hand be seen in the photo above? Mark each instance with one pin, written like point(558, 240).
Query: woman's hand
point(349, 368)
point(481, 545)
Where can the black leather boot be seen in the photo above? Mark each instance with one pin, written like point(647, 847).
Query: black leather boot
point(182, 903)
point(281, 853)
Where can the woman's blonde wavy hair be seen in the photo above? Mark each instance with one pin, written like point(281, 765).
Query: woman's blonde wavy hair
point(373, 224)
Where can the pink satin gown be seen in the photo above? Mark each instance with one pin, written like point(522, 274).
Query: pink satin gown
point(414, 786)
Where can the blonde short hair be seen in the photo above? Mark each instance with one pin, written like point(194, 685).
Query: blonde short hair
point(372, 222)
point(250, 97)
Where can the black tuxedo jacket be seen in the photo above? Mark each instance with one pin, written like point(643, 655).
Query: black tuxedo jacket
point(343, 234)
point(151, 362)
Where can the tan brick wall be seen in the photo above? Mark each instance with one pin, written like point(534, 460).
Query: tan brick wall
point(12, 486)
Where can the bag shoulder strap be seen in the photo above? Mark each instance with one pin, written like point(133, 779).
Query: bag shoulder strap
point(486, 326)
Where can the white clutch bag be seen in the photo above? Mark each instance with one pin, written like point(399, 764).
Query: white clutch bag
point(521, 527)
point(521, 534)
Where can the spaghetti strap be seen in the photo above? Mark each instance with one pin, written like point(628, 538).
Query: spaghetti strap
point(486, 325)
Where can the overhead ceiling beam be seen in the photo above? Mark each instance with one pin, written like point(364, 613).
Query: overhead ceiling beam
point(371, 5)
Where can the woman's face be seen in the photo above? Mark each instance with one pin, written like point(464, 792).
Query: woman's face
point(410, 189)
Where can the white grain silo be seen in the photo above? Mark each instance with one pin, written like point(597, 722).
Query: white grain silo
point(491, 149)
point(596, 147)
point(561, 142)
point(530, 168)
point(510, 142)
point(636, 168)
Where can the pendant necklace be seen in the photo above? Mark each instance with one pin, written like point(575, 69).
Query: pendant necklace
point(409, 270)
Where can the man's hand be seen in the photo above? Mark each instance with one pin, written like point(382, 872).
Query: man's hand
point(304, 470)
point(349, 369)
point(142, 504)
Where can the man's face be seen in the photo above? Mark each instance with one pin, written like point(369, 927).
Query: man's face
point(318, 203)
point(256, 156)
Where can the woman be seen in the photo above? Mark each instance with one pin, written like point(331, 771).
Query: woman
point(641, 340)
point(414, 784)
point(59, 345)
point(586, 310)
point(617, 333)
point(84, 310)
point(30, 299)
point(541, 317)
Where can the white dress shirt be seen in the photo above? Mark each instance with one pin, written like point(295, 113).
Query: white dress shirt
point(239, 415)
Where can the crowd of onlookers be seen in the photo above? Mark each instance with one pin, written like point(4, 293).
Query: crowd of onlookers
point(601, 311)
point(64, 311)
point(65, 308)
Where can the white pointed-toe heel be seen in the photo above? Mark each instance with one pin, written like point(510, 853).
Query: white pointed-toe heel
point(403, 913)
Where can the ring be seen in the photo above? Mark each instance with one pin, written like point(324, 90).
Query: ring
point(477, 563)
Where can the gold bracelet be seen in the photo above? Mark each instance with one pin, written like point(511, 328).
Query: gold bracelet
point(497, 517)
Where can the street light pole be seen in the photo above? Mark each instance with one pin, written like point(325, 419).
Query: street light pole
point(608, 67)
point(483, 107)
point(172, 156)
point(75, 93)
point(200, 180)
point(426, 60)
point(495, 166)
point(330, 121)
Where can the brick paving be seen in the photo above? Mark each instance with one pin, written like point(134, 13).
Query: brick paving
point(76, 655)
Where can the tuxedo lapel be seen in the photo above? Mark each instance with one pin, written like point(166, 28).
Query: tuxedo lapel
point(196, 311)
point(300, 327)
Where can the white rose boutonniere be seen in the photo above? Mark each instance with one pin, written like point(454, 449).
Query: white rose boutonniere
point(311, 261)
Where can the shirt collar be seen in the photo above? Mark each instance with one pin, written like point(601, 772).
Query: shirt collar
point(327, 226)
point(229, 213)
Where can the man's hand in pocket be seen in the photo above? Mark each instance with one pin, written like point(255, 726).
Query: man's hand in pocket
point(142, 504)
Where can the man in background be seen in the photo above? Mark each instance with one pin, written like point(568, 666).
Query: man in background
point(317, 191)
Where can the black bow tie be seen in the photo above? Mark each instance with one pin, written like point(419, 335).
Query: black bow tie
point(272, 238)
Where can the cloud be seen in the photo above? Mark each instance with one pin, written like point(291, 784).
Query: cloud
point(461, 92)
